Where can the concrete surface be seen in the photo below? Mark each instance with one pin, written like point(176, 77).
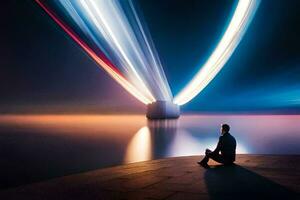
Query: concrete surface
point(253, 177)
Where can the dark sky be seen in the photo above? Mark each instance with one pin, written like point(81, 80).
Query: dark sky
point(43, 70)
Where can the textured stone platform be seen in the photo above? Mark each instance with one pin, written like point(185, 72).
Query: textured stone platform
point(253, 177)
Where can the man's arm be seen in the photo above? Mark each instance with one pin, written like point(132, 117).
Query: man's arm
point(219, 146)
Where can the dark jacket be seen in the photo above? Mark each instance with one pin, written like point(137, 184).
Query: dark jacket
point(227, 146)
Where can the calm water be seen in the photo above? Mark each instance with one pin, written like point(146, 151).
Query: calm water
point(38, 147)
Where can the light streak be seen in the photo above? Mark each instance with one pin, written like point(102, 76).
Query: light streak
point(104, 26)
point(103, 62)
point(157, 67)
point(118, 42)
point(241, 18)
point(99, 20)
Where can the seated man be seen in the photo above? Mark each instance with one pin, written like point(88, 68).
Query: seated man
point(226, 146)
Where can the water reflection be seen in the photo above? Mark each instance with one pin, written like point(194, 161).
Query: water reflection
point(139, 148)
point(166, 138)
point(65, 144)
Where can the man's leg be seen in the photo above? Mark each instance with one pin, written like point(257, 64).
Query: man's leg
point(217, 157)
point(221, 159)
point(204, 161)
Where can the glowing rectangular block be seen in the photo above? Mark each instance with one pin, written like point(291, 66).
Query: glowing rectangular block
point(163, 110)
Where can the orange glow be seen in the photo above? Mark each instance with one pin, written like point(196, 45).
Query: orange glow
point(122, 137)
point(97, 125)
point(139, 148)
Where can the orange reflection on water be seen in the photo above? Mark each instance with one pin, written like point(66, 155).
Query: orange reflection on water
point(113, 139)
point(75, 124)
point(139, 148)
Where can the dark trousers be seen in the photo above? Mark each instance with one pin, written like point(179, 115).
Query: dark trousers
point(216, 157)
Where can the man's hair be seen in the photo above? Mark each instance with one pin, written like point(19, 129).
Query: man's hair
point(226, 127)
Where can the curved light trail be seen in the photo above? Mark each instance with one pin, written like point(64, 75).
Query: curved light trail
point(115, 38)
point(242, 16)
point(96, 15)
point(101, 60)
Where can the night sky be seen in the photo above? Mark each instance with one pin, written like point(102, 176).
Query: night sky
point(43, 70)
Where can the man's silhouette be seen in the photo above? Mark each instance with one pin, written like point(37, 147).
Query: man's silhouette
point(226, 146)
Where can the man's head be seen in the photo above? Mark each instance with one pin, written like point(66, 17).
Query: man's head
point(224, 128)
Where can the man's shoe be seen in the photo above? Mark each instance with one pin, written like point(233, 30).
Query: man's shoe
point(203, 164)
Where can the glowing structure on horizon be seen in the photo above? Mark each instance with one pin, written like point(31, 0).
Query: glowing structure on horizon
point(112, 33)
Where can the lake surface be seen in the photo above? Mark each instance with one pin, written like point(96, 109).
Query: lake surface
point(39, 147)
